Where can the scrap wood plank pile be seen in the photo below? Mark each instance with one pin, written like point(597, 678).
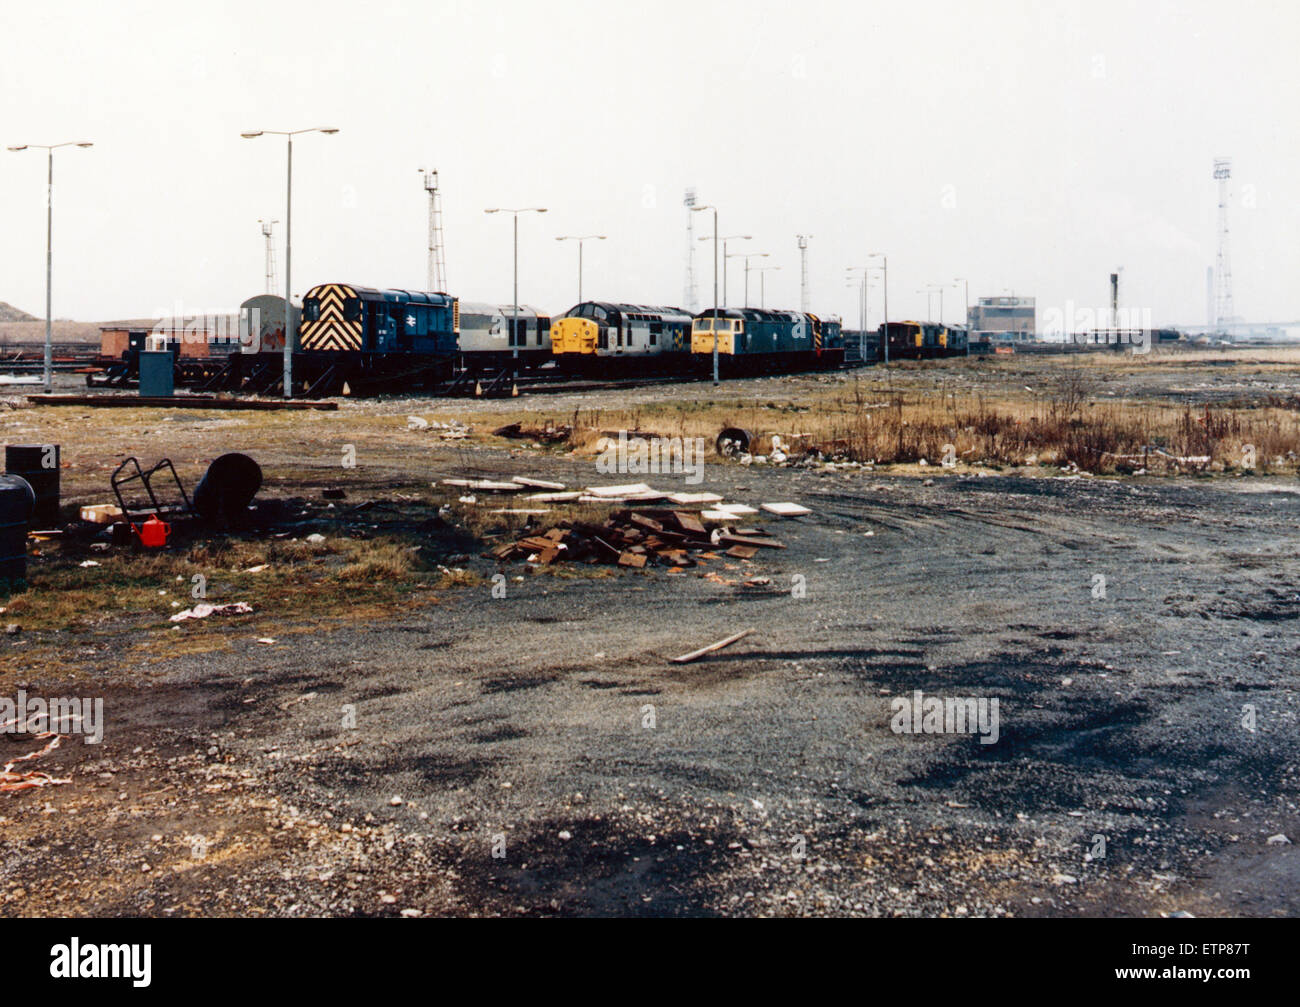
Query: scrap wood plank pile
point(674, 536)
point(636, 538)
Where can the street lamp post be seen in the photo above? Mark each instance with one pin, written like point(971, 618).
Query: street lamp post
point(290, 330)
point(580, 239)
point(50, 148)
point(697, 209)
point(762, 272)
point(514, 322)
point(725, 256)
point(884, 321)
point(934, 288)
point(862, 296)
point(747, 256)
point(862, 314)
point(965, 299)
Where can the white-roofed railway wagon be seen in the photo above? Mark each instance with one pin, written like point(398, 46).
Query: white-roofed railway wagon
point(262, 324)
point(489, 339)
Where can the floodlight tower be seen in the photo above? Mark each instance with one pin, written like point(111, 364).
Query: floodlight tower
point(690, 295)
point(1114, 300)
point(267, 225)
point(803, 271)
point(437, 278)
point(1223, 270)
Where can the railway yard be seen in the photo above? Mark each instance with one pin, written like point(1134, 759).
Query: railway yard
point(404, 716)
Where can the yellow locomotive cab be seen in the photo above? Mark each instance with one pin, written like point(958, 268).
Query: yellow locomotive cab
point(574, 335)
point(943, 339)
point(702, 335)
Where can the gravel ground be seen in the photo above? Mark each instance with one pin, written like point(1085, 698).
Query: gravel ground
point(538, 754)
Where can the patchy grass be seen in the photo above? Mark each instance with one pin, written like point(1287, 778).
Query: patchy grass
point(1060, 411)
point(1073, 411)
point(1113, 437)
point(300, 580)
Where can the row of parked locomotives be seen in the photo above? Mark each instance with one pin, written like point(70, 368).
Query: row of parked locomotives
point(597, 337)
point(922, 341)
point(365, 338)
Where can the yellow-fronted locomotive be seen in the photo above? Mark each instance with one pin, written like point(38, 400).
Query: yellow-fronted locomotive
point(608, 338)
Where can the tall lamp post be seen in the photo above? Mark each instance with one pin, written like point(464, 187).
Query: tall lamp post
point(762, 272)
point(50, 148)
point(965, 299)
point(514, 323)
point(697, 209)
point(725, 256)
point(290, 330)
point(580, 238)
point(862, 295)
point(747, 256)
point(862, 325)
point(884, 321)
point(864, 304)
point(934, 288)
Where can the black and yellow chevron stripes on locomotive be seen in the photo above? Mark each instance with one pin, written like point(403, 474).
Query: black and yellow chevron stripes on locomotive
point(331, 330)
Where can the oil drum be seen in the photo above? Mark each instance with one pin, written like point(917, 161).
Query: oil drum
point(38, 464)
point(16, 502)
point(228, 487)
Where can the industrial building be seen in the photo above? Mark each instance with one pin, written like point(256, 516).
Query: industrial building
point(1007, 318)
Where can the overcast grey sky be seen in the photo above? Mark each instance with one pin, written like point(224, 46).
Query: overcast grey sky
point(1031, 147)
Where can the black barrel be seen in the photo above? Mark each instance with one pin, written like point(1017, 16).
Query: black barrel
point(39, 465)
point(16, 501)
point(228, 487)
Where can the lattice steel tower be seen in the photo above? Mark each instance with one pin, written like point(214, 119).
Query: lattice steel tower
point(267, 225)
point(689, 294)
point(437, 278)
point(1223, 310)
point(803, 271)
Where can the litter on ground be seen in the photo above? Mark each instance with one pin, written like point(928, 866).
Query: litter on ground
point(203, 611)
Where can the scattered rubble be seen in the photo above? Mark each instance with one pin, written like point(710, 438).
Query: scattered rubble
point(548, 434)
point(452, 430)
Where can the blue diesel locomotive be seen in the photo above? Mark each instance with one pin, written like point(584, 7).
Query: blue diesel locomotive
point(753, 340)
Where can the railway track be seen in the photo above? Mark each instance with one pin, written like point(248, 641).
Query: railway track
point(30, 358)
point(559, 384)
point(465, 385)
